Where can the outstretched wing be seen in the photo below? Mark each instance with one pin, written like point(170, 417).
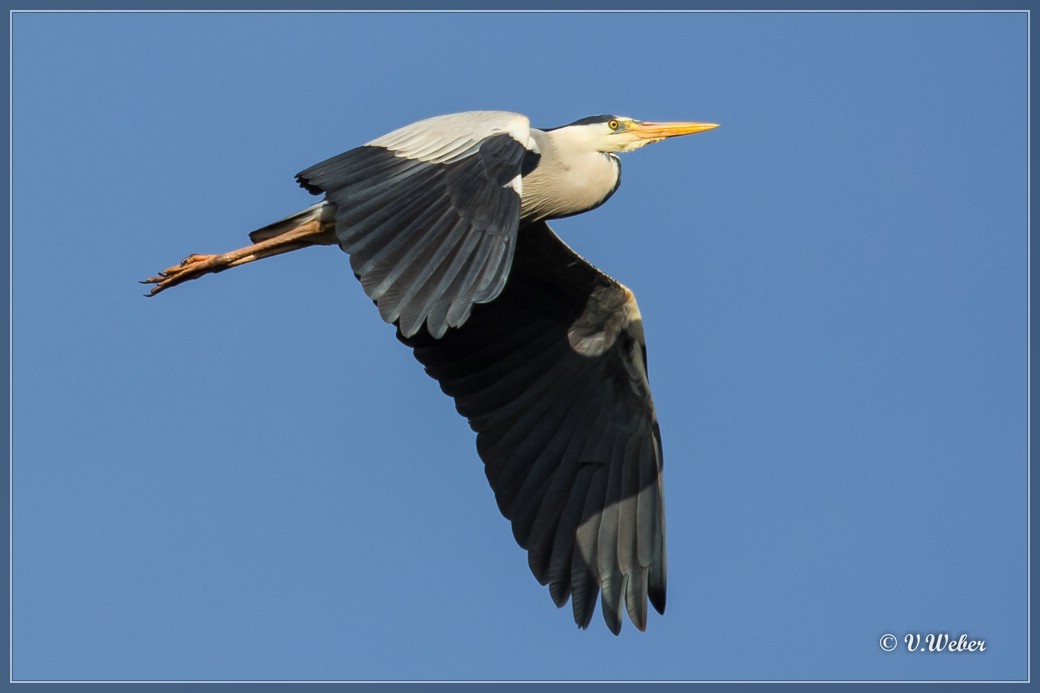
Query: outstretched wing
point(552, 376)
point(429, 213)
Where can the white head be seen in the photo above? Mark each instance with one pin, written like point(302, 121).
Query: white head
point(611, 133)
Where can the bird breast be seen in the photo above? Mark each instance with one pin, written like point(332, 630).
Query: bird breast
point(560, 186)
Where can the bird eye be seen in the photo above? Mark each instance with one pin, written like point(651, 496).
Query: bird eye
point(613, 125)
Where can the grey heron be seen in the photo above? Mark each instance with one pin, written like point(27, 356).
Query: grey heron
point(444, 221)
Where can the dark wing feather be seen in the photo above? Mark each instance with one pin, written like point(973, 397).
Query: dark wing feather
point(427, 239)
point(552, 377)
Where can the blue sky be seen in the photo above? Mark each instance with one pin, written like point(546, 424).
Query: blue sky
point(249, 478)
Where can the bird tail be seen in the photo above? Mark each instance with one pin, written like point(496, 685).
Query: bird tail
point(323, 212)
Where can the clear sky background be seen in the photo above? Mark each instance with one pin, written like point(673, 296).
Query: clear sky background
point(249, 478)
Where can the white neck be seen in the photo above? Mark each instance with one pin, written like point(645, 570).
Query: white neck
point(571, 176)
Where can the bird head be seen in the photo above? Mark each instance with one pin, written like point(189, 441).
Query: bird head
point(612, 133)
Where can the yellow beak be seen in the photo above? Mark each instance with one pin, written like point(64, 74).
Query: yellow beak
point(660, 131)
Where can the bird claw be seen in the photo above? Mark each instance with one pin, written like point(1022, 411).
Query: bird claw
point(191, 267)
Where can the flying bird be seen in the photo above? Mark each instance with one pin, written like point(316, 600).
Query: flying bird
point(444, 221)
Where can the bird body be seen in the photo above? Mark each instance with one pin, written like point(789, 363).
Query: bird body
point(444, 223)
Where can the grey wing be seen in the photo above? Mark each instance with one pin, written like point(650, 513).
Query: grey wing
point(429, 213)
point(552, 376)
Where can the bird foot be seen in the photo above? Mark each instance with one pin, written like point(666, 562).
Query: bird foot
point(191, 267)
